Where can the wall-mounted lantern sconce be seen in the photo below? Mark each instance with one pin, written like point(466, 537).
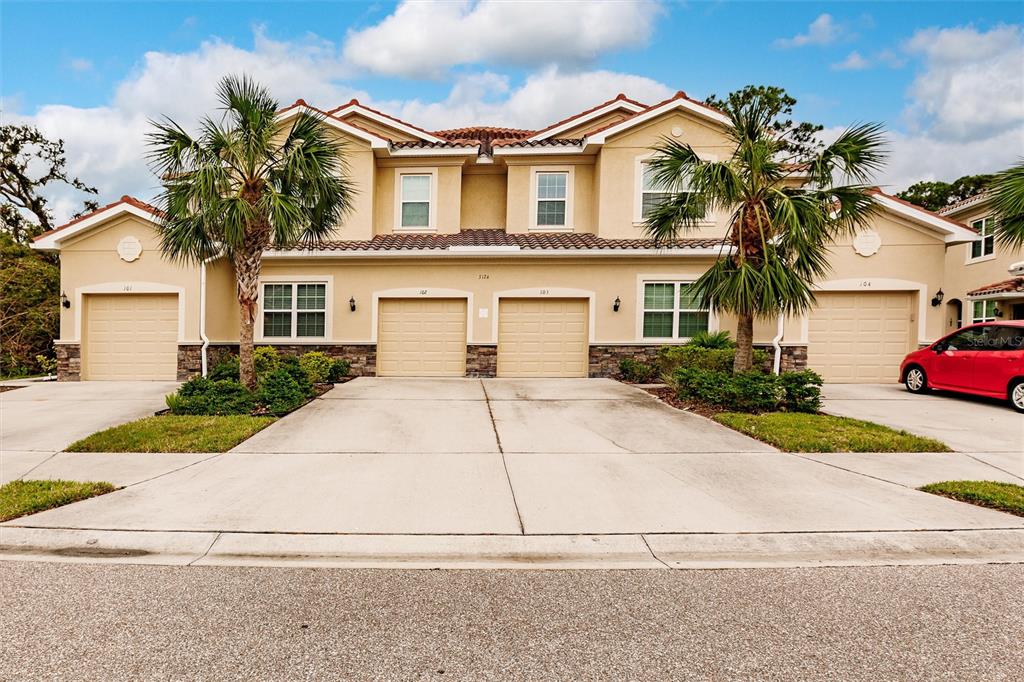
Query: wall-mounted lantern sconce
point(937, 299)
point(352, 304)
point(64, 302)
point(998, 312)
point(616, 304)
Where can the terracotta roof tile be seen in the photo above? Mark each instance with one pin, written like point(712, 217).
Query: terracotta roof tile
point(424, 144)
point(618, 98)
point(534, 241)
point(876, 190)
point(1013, 285)
point(355, 102)
point(964, 203)
point(556, 142)
point(679, 95)
point(137, 203)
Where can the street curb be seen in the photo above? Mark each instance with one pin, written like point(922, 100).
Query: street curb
point(628, 551)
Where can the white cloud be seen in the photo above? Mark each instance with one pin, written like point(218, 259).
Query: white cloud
point(80, 65)
point(926, 157)
point(971, 88)
point(822, 31)
point(425, 38)
point(853, 62)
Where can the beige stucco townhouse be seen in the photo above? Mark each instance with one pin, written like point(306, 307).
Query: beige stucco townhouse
point(488, 251)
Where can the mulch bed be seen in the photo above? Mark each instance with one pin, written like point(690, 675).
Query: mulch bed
point(4, 389)
point(669, 397)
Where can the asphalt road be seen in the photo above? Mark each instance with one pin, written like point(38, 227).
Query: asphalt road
point(77, 621)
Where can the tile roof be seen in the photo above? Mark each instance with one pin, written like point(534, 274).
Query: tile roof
point(549, 142)
point(357, 103)
point(964, 203)
point(132, 201)
point(424, 144)
point(679, 95)
point(534, 241)
point(618, 98)
point(483, 133)
point(1014, 285)
point(879, 192)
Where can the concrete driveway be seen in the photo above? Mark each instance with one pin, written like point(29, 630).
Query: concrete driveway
point(42, 418)
point(507, 457)
point(965, 423)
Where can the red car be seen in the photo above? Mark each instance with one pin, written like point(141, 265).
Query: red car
point(983, 359)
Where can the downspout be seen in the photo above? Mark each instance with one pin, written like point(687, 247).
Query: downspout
point(202, 313)
point(777, 364)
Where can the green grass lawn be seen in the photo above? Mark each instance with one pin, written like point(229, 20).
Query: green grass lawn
point(1007, 497)
point(174, 433)
point(19, 498)
point(799, 432)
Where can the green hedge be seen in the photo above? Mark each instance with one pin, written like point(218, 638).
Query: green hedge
point(671, 358)
point(205, 396)
point(752, 391)
point(637, 371)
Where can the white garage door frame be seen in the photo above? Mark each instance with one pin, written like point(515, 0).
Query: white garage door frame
point(128, 289)
point(545, 292)
point(424, 292)
point(867, 285)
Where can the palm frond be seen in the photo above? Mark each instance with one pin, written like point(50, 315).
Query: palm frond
point(1008, 203)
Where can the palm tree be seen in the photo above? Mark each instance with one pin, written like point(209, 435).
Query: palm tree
point(1008, 202)
point(786, 204)
point(244, 183)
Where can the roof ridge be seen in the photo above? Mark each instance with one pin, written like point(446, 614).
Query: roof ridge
point(125, 199)
point(618, 98)
point(922, 209)
point(356, 102)
point(984, 194)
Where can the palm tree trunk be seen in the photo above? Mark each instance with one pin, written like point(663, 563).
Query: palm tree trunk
point(744, 360)
point(247, 276)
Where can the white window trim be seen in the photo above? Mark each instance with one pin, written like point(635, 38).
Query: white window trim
point(641, 282)
point(432, 219)
point(535, 171)
point(984, 304)
point(985, 220)
point(326, 280)
point(638, 186)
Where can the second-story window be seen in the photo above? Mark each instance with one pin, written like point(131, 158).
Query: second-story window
point(985, 244)
point(651, 194)
point(415, 201)
point(552, 199)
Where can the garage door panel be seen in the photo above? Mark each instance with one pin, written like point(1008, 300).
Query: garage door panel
point(543, 338)
point(130, 336)
point(421, 337)
point(859, 337)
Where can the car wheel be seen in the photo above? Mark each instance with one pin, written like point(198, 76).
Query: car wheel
point(1016, 395)
point(915, 380)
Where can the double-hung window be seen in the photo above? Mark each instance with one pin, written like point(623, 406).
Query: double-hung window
point(985, 244)
point(672, 311)
point(983, 311)
point(414, 207)
point(295, 310)
point(651, 194)
point(552, 208)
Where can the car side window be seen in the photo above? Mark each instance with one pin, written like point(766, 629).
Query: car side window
point(967, 339)
point(1005, 338)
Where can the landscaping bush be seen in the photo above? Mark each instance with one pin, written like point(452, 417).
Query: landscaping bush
point(279, 392)
point(208, 397)
point(47, 364)
point(291, 365)
point(265, 360)
point(225, 370)
point(317, 366)
point(689, 356)
point(802, 391)
point(339, 368)
point(711, 340)
point(637, 371)
point(752, 391)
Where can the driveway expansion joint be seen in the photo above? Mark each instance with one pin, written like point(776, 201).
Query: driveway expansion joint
point(504, 464)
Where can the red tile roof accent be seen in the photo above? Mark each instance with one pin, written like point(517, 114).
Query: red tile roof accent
point(933, 214)
point(425, 144)
point(618, 98)
point(137, 203)
point(976, 199)
point(379, 113)
point(679, 95)
point(550, 142)
point(1013, 285)
point(302, 103)
point(534, 241)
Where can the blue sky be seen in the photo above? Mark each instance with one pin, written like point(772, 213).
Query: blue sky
point(945, 78)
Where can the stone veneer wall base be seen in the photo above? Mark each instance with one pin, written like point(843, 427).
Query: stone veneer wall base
point(69, 361)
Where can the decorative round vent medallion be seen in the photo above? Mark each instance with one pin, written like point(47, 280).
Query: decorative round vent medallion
point(677, 131)
point(867, 243)
point(129, 249)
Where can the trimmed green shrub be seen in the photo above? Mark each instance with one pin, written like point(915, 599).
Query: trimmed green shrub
point(707, 339)
point(637, 371)
point(339, 368)
point(265, 359)
point(47, 364)
point(225, 370)
point(290, 364)
point(279, 392)
point(802, 391)
point(316, 365)
point(712, 359)
point(205, 396)
point(752, 391)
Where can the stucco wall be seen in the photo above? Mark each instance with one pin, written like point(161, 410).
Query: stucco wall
point(448, 194)
point(520, 211)
point(484, 199)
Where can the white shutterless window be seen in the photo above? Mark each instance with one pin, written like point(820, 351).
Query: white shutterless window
point(552, 200)
point(672, 311)
point(416, 192)
point(294, 310)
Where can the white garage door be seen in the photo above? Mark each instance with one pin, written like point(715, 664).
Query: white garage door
point(421, 337)
point(859, 338)
point(541, 337)
point(130, 336)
